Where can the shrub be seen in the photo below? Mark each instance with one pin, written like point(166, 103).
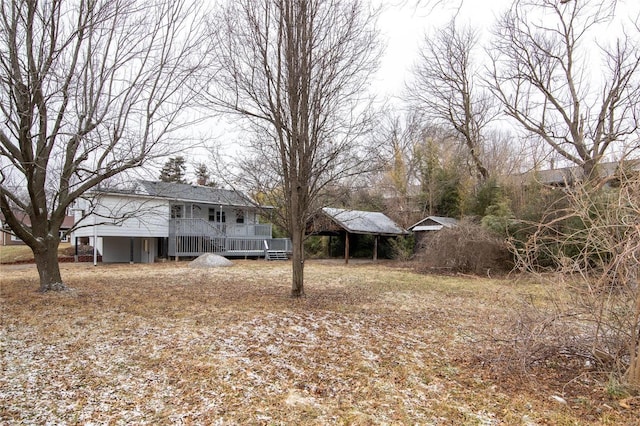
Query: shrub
point(467, 248)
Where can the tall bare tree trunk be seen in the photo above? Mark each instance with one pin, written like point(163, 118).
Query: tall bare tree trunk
point(46, 258)
point(297, 220)
point(297, 283)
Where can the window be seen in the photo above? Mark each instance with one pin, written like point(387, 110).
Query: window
point(63, 238)
point(239, 216)
point(214, 215)
point(176, 212)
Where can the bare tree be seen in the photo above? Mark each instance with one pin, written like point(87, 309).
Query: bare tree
point(447, 89)
point(580, 99)
point(296, 70)
point(421, 168)
point(89, 89)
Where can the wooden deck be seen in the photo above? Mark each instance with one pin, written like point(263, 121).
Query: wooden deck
point(194, 237)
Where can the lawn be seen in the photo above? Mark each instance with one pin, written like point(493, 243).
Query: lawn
point(369, 344)
point(22, 253)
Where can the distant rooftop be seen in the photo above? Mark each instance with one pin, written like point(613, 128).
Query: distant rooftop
point(568, 175)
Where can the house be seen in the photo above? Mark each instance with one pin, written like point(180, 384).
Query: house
point(339, 222)
point(610, 171)
point(154, 220)
point(7, 238)
point(422, 229)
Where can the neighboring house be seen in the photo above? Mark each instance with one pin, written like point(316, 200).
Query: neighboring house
point(339, 222)
point(430, 224)
point(163, 219)
point(568, 176)
point(7, 238)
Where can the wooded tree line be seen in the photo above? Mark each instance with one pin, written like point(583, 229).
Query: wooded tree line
point(92, 89)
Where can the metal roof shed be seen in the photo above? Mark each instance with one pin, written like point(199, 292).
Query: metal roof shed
point(433, 223)
point(360, 222)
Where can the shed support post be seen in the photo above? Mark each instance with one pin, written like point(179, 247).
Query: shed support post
point(375, 248)
point(346, 248)
point(131, 250)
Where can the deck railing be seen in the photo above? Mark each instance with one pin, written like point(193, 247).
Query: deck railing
point(279, 244)
point(201, 227)
point(191, 245)
point(193, 237)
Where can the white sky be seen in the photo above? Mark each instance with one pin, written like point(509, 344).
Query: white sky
point(403, 25)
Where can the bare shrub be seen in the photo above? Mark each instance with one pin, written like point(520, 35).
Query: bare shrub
point(537, 331)
point(594, 244)
point(467, 248)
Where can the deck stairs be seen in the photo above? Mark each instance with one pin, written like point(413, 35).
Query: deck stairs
point(276, 255)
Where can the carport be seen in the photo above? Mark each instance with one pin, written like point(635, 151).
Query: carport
point(339, 222)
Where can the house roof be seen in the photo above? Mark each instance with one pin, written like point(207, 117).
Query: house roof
point(433, 223)
point(568, 175)
point(363, 222)
point(185, 192)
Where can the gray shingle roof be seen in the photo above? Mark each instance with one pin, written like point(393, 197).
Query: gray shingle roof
point(205, 194)
point(191, 193)
point(362, 222)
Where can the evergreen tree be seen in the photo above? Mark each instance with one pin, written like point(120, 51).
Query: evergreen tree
point(203, 176)
point(174, 170)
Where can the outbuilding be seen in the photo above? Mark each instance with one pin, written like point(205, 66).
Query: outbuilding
point(340, 222)
point(422, 229)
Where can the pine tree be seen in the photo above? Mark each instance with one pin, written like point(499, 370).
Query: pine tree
point(203, 176)
point(174, 170)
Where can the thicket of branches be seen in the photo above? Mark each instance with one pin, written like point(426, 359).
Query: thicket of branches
point(592, 244)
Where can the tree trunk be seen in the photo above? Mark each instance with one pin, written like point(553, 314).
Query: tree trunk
point(297, 283)
point(46, 259)
point(633, 374)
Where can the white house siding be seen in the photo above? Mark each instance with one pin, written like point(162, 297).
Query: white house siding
point(150, 219)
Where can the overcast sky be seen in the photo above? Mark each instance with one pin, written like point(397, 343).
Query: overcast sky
point(403, 24)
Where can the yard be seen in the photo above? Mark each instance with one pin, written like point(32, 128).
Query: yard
point(370, 344)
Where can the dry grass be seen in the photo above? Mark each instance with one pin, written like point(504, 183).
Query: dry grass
point(165, 344)
point(22, 253)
